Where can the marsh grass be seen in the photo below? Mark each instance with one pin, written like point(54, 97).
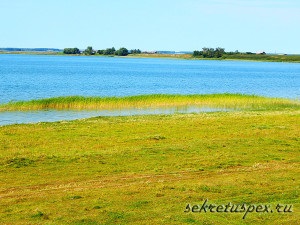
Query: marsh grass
point(230, 101)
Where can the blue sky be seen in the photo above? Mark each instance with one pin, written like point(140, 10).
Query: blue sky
point(244, 25)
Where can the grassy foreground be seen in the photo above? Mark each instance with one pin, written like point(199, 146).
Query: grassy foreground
point(146, 169)
point(230, 101)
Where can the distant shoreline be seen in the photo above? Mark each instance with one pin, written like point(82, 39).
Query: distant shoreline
point(239, 57)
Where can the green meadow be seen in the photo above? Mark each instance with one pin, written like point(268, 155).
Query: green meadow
point(147, 169)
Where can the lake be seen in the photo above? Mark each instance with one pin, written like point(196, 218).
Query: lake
point(25, 77)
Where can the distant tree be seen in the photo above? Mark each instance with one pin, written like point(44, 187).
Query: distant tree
point(135, 51)
point(210, 53)
point(236, 52)
point(71, 51)
point(206, 52)
point(100, 52)
point(89, 51)
point(109, 51)
point(122, 52)
point(197, 53)
point(218, 52)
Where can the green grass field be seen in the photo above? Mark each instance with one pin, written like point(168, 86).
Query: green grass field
point(146, 169)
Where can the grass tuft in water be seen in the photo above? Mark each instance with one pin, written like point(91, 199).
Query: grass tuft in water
point(231, 101)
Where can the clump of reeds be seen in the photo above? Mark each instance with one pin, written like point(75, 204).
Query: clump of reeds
point(230, 101)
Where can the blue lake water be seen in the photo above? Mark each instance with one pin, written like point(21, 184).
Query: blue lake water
point(25, 77)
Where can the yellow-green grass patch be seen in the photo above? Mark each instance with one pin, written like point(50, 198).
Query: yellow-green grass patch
point(225, 101)
point(146, 169)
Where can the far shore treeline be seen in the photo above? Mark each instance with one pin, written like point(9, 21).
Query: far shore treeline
point(109, 51)
point(204, 53)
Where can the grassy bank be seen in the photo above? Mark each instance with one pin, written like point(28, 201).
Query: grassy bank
point(146, 169)
point(230, 101)
point(251, 57)
point(268, 58)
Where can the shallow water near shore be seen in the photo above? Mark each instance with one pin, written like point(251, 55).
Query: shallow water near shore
point(19, 117)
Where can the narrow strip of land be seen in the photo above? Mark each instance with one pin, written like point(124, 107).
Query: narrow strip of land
point(230, 101)
point(240, 56)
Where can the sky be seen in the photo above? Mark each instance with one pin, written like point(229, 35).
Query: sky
point(178, 25)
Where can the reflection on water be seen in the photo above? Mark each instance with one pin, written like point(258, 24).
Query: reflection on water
point(17, 117)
